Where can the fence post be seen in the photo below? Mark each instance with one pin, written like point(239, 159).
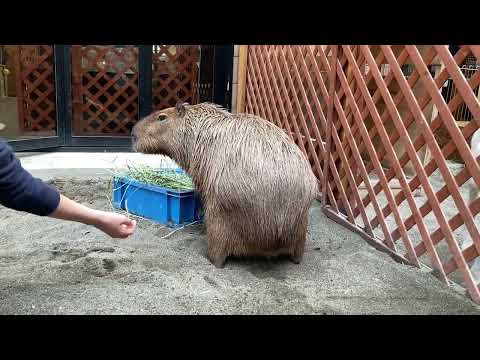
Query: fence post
point(330, 115)
point(242, 78)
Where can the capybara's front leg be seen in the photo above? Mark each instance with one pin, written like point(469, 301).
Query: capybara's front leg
point(217, 237)
point(216, 259)
point(216, 254)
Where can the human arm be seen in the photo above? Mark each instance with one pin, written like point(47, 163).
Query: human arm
point(115, 225)
point(20, 191)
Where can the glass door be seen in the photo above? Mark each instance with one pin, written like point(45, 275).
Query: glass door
point(113, 86)
point(175, 70)
point(29, 100)
point(90, 96)
point(105, 94)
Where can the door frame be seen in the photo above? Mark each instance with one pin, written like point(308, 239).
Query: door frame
point(223, 76)
point(220, 75)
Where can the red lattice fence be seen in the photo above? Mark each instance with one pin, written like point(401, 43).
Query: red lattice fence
point(36, 89)
point(105, 89)
point(367, 118)
point(175, 75)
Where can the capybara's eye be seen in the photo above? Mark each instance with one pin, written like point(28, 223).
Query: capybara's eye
point(161, 117)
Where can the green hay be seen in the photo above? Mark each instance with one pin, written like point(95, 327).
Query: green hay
point(161, 177)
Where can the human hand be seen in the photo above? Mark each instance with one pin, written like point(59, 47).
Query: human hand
point(115, 225)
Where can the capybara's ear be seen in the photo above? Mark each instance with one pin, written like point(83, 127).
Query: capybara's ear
point(180, 109)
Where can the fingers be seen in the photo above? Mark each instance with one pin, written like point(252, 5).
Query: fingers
point(127, 228)
point(117, 226)
point(130, 223)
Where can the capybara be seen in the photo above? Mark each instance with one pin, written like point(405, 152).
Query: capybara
point(255, 183)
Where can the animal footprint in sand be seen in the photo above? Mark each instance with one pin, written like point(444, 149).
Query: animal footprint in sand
point(99, 261)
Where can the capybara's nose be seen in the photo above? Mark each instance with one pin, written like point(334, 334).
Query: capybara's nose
point(134, 137)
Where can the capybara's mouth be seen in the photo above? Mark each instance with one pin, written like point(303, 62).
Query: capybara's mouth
point(139, 147)
point(134, 143)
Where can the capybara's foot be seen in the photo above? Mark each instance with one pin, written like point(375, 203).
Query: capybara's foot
point(217, 261)
point(296, 259)
point(297, 256)
point(219, 264)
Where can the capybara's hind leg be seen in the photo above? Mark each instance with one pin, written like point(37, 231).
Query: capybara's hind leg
point(297, 256)
point(299, 245)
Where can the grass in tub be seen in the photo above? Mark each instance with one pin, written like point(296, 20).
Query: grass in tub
point(167, 178)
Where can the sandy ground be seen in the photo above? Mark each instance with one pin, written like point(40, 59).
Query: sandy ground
point(55, 267)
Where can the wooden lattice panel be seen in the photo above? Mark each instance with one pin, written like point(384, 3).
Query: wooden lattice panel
point(36, 88)
point(288, 85)
point(390, 116)
point(105, 89)
point(175, 75)
point(373, 113)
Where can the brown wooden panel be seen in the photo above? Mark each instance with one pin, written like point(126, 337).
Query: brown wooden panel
point(175, 75)
point(104, 89)
point(371, 117)
point(36, 101)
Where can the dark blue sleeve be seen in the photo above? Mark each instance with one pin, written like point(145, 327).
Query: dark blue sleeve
point(19, 190)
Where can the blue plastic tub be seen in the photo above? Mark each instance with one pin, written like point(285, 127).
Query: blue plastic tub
point(170, 207)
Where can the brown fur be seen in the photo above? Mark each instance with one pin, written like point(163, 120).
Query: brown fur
point(255, 183)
